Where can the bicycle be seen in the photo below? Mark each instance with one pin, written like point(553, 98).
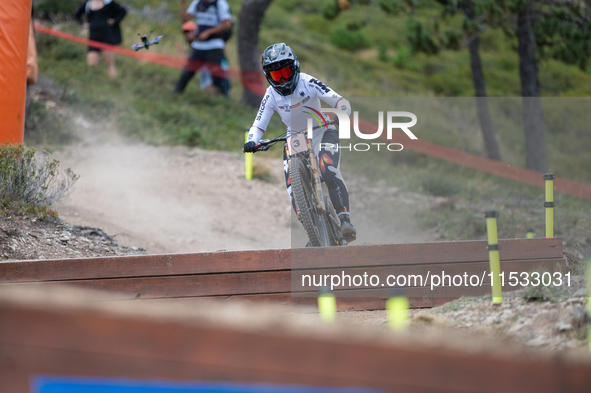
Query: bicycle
point(314, 210)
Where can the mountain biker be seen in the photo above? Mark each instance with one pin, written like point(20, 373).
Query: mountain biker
point(296, 96)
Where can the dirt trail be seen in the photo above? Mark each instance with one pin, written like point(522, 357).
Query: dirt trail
point(176, 199)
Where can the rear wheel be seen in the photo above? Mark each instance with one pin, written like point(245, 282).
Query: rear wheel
point(304, 195)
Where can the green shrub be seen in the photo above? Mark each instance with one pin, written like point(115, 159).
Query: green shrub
point(32, 178)
point(57, 48)
point(190, 135)
point(419, 38)
point(439, 185)
point(55, 9)
point(382, 51)
point(402, 57)
point(343, 37)
point(45, 43)
point(304, 6)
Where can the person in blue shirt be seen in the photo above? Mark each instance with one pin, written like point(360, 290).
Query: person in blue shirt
point(213, 18)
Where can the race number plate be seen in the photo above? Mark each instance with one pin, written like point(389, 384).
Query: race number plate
point(297, 144)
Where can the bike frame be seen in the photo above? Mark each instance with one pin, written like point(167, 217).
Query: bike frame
point(297, 145)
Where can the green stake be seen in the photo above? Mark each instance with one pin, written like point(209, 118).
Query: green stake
point(549, 204)
point(327, 305)
point(493, 255)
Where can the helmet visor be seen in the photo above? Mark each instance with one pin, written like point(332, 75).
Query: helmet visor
point(284, 72)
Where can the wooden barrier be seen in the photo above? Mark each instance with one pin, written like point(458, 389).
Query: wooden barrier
point(64, 332)
point(275, 275)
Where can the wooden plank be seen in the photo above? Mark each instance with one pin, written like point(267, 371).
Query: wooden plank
point(270, 349)
point(179, 286)
point(144, 265)
point(272, 260)
point(423, 253)
point(228, 284)
point(347, 278)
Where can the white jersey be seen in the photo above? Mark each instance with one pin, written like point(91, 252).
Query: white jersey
point(295, 109)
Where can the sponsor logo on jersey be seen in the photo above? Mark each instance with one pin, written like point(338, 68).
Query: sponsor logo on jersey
point(319, 85)
point(262, 108)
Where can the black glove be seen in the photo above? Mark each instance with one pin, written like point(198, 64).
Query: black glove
point(249, 147)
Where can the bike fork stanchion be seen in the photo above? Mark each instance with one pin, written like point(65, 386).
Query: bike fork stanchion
point(493, 255)
point(327, 305)
point(247, 162)
point(549, 204)
point(397, 308)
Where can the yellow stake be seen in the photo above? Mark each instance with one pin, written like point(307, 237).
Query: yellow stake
point(247, 162)
point(493, 255)
point(549, 204)
point(530, 233)
point(397, 312)
point(327, 305)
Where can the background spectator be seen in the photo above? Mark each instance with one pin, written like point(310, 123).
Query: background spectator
point(206, 82)
point(103, 18)
point(212, 19)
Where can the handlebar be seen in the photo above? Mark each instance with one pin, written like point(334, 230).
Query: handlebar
point(266, 144)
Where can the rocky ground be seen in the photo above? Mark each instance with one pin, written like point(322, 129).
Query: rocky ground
point(558, 324)
point(38, 237)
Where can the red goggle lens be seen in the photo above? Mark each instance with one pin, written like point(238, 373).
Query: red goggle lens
point(285, 72)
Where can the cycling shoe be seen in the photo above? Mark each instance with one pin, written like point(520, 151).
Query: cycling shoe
point(347, 229)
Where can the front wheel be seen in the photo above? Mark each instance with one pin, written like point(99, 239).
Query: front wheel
point(305, 199)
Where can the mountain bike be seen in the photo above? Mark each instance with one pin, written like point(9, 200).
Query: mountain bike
point(314, 210)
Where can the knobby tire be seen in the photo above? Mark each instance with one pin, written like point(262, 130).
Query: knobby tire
point(303, 193)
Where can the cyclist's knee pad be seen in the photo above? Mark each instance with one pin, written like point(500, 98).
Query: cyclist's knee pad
point(329, 171)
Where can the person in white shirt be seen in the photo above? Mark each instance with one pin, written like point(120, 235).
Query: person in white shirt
point(296, 97)
point(213, 19)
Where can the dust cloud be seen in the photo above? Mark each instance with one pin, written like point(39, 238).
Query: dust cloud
point(181, 200)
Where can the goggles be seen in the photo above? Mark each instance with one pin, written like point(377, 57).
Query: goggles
point(284, 72)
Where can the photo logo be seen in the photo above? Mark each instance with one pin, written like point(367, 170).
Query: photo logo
point(392, 123)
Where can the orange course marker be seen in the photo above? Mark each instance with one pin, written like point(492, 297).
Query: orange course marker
point(15, 17)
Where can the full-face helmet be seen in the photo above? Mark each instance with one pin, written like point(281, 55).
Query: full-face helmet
point(281, 68)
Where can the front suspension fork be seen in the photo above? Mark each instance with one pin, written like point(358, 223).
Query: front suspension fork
point(317, 184)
